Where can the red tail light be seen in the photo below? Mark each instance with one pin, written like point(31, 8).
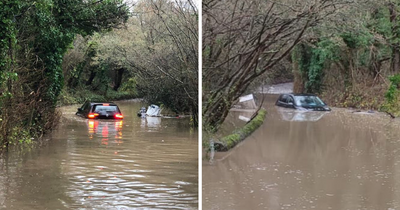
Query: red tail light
point(119, 116)
point(92, 115)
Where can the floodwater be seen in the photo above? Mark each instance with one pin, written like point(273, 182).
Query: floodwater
point(297, 160)
point(105, 164)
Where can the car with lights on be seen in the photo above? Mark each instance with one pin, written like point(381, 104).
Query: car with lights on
point(302, 101)
point(100, 110)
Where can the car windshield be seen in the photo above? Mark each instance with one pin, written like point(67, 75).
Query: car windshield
point(101, 108)
point(308, 101)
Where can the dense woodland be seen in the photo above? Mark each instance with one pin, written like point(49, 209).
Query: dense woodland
point(55, 52)
point(347, 51)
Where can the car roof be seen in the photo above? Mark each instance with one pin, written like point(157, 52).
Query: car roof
point(300, 94)
point(97, 103)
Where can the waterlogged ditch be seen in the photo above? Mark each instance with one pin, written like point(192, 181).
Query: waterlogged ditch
point(300, 160)
point(100, 164)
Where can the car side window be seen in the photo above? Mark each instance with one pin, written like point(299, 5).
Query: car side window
point(87, 107)
point(280, 99)
point(83, 106)
point(290, 100)
point(284, 98)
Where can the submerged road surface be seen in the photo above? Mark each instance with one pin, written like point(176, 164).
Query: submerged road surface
point(296, 160)
point(105, 164)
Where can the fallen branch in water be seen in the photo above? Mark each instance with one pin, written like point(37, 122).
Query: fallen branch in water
point(390, 114)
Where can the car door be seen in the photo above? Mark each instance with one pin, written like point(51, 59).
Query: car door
point(82, 109)
point(285, 99)
point(282, 101)
point(290, 102)
point(85, 109)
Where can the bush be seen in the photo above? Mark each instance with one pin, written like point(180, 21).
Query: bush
point(82, 95)
point(392, 105)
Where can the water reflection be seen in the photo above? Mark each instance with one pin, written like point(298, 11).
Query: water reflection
point(345, 161)
point(300, 116)
point(106, 164)
point(153, 122)
point(150, 123)
point(108, 130)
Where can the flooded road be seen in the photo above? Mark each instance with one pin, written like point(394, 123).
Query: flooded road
point(106, 164)
point(296, 160)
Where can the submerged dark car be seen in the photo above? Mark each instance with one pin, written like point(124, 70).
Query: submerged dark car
point(302, 102)
point(99, 110)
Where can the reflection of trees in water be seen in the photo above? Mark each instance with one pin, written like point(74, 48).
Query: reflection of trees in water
point(28, 178)
point(75, 170)
point(340, 154)
point(158, 124)
point(235, 119)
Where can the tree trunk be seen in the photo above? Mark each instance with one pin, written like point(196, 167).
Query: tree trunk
point(118, 78)
point(298, 83)
point(395, 59)
point(215, 113)
point(395, 48)
point(91, 77)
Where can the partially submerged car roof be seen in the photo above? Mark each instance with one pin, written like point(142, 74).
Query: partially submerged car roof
point(299, 94)
point(302, 94)
point(97, 103)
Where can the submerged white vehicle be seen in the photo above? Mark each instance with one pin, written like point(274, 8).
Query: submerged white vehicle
point(152, 111)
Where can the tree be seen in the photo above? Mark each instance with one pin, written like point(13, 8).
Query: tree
point(244, 39)
point(34, 37)
point(159, 46)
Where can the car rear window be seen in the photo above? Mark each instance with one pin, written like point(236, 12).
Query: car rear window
point(101, 108)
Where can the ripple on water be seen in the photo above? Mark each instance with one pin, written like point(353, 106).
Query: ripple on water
point(107, 165)
point(343, 160)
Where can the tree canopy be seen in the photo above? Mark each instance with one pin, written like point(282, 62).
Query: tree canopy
point(244, 39)
point(34, 37)
point(158, 47)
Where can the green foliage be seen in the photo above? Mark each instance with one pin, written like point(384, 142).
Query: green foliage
point(357, 40)
point(167, 92)
point(303, 55)
point(102, 80)
point(158, 52)
point(34, 36)
point(73, 75)
point(130, 86)
point(392, 104)
point(19, 135)
point(364, 51)
point(313, 60)
point(8, 35)
point(79, 96)
point(393, 91)
point(380, 22)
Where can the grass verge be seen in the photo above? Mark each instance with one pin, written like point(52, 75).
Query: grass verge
point(228, 142)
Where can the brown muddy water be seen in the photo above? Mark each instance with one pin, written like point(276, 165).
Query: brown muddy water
point(296, 160)
point(132, 163)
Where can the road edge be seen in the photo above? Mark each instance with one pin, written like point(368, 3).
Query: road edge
point(228, 142)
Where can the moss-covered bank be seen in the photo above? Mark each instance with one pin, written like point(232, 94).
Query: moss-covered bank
point(228, 142)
